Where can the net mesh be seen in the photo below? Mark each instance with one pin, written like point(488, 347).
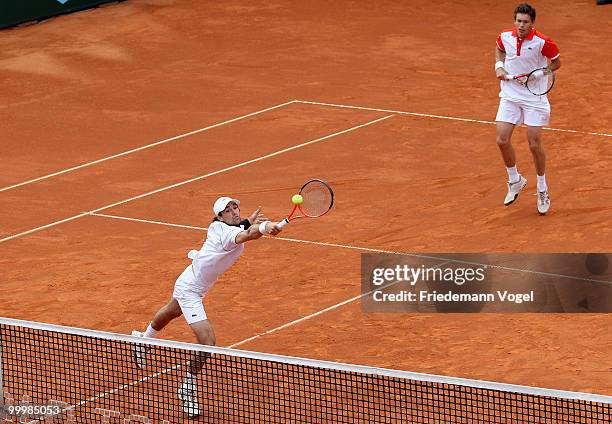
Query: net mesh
point(318, 198)
point(93, 377)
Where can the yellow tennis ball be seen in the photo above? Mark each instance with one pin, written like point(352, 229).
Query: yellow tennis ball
point(297, 199)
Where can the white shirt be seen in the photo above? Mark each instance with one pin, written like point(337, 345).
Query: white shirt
point(524, 55)
point(217, 254)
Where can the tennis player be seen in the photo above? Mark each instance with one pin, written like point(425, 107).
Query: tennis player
point(519, 51)
point(223, 246)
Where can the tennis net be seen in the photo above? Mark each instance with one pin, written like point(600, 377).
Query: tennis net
point(91, 377)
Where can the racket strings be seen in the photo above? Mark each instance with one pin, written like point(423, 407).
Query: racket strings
point(540, 85)
point(318, 199)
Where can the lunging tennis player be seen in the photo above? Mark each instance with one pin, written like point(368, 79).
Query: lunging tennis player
point(520, 51)
point(223, 246)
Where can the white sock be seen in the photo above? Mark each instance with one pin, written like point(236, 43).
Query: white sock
point(150, 332)
point(542, 183)
point(513, 175)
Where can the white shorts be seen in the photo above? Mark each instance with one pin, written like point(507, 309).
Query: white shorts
point(189, 300)
point(517, 112)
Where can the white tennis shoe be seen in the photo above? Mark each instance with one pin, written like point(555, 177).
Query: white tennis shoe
point(543, 202)
point(139, 351)
point(514, 189)
point(188, 395)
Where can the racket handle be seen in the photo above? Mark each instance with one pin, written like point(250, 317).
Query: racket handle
point(510, 77)
point(282, 223)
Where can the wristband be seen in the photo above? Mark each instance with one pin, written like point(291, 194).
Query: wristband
point(499, 64)
point(262, 227)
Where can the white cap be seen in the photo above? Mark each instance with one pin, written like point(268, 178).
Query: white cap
point(222, 202)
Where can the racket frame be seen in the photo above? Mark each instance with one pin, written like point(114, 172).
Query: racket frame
point(546, 71)
point(298, 206)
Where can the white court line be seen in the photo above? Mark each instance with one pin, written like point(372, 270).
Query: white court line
point(53, 224)
point(201, 177)
point(148, 221)
point(74, 168)
point(369, 249)
point(320, 243)
point(452, 118)
point(322, 311)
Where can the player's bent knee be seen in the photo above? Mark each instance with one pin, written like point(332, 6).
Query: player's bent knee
point(204, 333)
point(177, 312)
point(535, 146)
point(174, 308)
point(503, 141)
point(171, 313)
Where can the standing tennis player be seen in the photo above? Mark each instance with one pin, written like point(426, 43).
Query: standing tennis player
point(223, 246)
point(519, 51)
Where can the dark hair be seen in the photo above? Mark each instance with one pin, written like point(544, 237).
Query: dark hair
point(527, 9)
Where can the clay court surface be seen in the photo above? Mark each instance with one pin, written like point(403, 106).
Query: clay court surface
point(407, 177)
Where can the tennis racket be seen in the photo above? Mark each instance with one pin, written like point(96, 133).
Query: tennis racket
point(318, 199)
point(539, 81)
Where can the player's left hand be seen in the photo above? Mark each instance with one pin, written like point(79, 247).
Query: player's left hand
point(257, 217)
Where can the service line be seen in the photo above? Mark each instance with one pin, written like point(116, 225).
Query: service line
point(201, 177)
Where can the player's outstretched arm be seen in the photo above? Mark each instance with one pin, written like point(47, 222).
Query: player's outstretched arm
point(255, 231)
point(272, 228)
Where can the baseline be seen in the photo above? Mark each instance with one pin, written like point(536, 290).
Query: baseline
point(451, 118)
point(157, 143)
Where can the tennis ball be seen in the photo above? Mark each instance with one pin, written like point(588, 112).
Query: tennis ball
point(297, 199)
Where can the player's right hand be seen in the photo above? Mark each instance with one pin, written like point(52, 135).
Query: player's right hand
point(501, 73)
point(273, 229)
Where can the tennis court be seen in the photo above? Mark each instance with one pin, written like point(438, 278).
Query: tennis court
point(123, 124)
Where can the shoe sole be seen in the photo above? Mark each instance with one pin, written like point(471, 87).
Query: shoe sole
point(190, 415)
point(516, 195)
point(511, 201)
point(543, 213)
